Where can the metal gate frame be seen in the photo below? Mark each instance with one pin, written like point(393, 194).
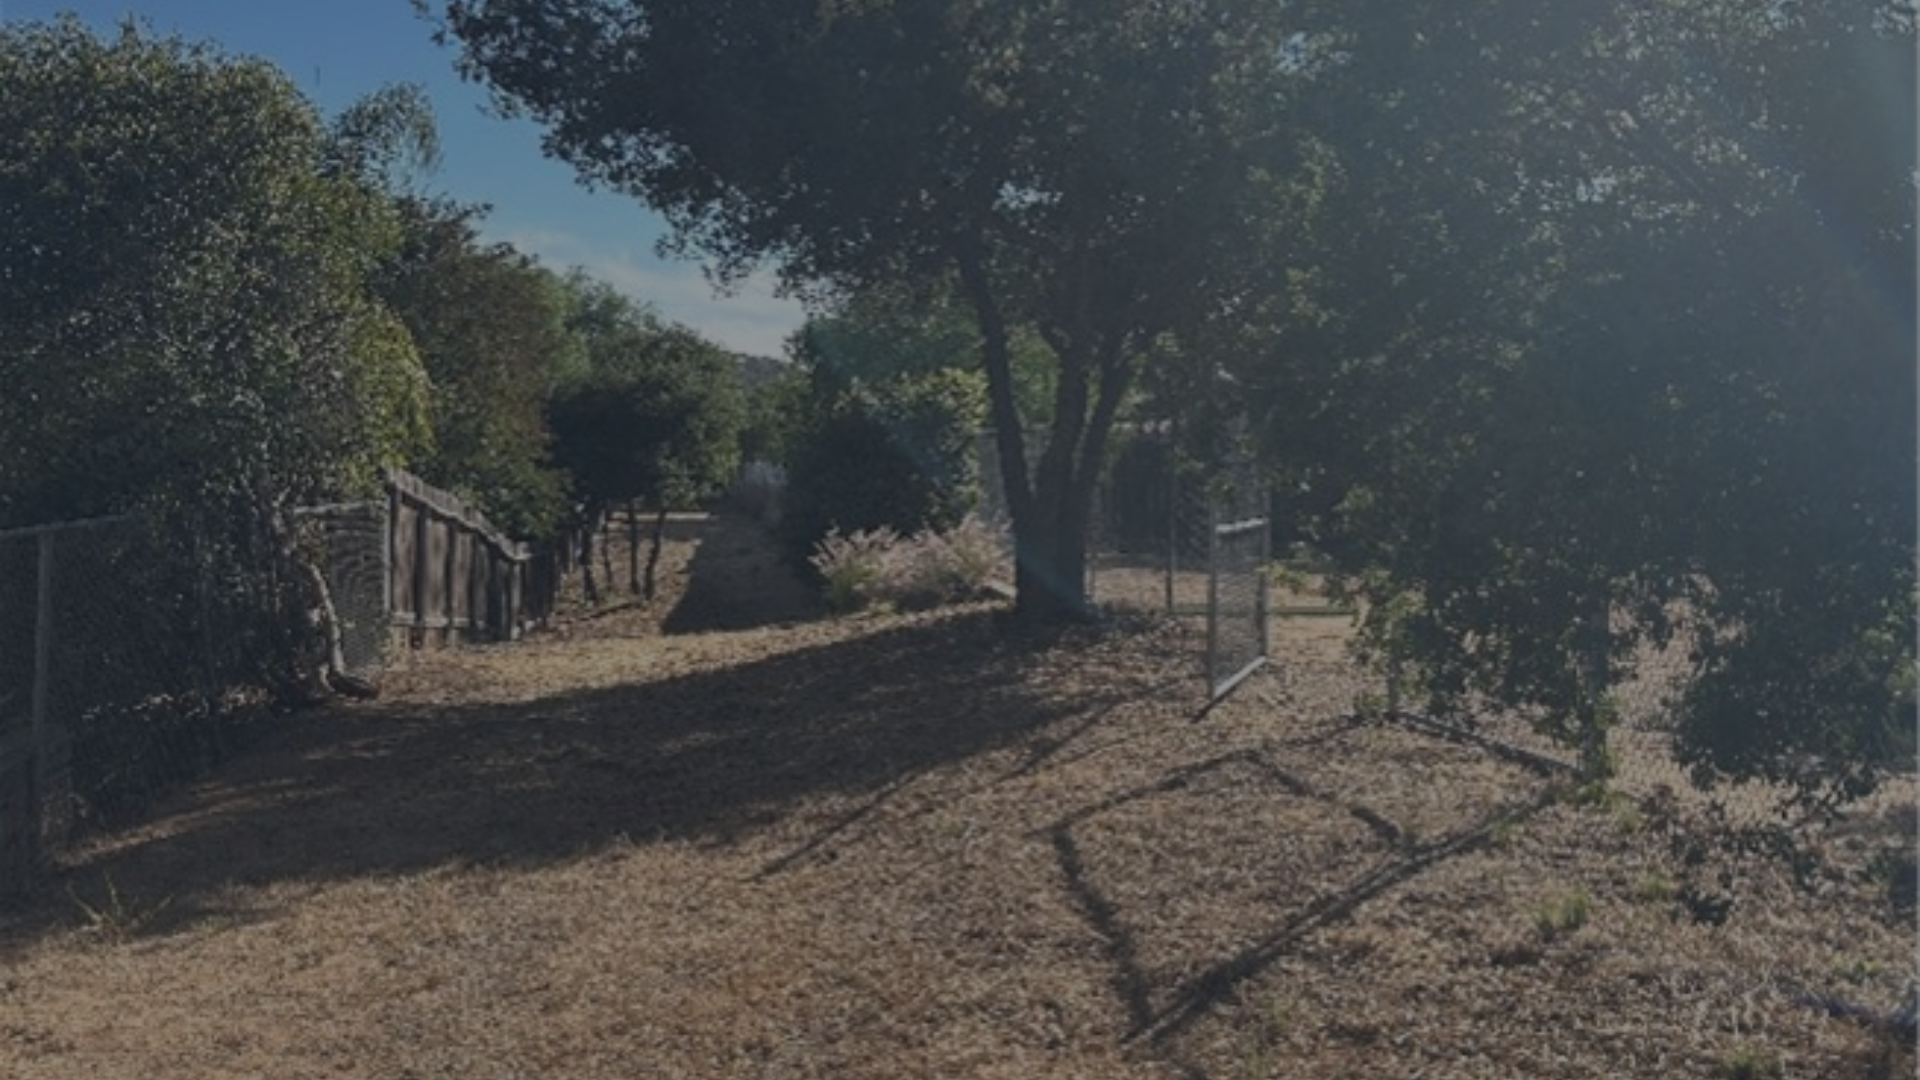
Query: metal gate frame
point(1224, 673)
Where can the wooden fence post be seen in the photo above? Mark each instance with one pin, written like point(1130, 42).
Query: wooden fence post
point(449, 567)
point(420, 591)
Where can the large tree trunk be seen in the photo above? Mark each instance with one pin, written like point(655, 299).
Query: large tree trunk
point(606, 551)
point(1050, 559)
point(1051, 505)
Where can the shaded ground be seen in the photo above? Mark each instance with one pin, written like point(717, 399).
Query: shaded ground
point(910, 846)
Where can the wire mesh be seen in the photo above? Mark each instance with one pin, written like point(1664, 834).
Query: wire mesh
point(350, 543)
point(130, 646)
point(1237, 577)
point(1151, 530)
point(1186, 539)
point(127, 656)
point(19, 814)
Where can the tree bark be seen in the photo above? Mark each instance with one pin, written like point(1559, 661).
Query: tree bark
point(605, 528)
point(588, 531)
point(633, 553)
point(333, 674)
point(1050, 506)
point(653, 553)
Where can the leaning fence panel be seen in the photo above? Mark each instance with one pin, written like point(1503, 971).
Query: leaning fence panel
point(352, 545)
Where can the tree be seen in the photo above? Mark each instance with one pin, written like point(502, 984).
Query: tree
point(901, 451)
point(655, 416)
point(888, 411)
point(1642, 350)
point(1098, 175)
point(490, 325)
point(186, 325)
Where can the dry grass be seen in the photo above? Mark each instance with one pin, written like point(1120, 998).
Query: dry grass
point(901, 847)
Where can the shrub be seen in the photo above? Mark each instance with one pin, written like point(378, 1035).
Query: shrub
point(977, 554)
point(853, 565)
point(926, 569)
point(900, 454)
point(1561, 916)
point(919, 572)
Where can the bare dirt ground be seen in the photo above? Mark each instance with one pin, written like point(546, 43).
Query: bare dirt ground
point(718, 836)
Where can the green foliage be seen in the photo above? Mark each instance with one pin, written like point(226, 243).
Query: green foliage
point(386, 138)
point(183, 284)
point(1751, 1063)
point(187, 331)
point(1562, 915)
point(490, 327)
point(890, 330)
point(775, 396)
point(1654, 887)
point(1101, 181)
point(1637, 362)
point(116, 917)
point(900, 454)
point(656, 416)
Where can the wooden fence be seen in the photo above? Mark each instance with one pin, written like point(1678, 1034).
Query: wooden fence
point(453, 577)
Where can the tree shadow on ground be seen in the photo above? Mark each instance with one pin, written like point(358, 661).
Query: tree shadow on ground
point(381, 789)
point(739, 579)
point(1162, 1005)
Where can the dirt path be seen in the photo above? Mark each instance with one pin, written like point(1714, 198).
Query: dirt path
point(905, 847)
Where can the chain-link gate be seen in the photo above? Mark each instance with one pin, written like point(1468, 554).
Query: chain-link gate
point(1237, 556)
point(1188, 539)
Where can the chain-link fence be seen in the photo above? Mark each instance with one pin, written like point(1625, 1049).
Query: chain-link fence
point(1151, 540)
point(350, 543)
point(131, 646)
point(1189, 539)
point(1237, 575)
point(122, 644)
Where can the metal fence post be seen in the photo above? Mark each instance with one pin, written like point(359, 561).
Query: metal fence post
point(50, 776)
point(1213, 596)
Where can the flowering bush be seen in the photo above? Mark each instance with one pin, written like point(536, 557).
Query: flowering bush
point(976, 553)
point(854, 565)
point(879, 566)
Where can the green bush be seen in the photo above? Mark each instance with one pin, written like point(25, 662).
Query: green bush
point(899, 455)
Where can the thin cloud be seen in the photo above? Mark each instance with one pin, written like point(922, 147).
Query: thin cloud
point(750, 320)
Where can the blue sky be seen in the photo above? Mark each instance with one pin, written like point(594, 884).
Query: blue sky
point(338, 50)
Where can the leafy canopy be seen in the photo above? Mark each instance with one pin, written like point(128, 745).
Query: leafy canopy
point(1103, 180)
point(653, 413)
point(490, 325)
point(182, 288)
point(1637, 361)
